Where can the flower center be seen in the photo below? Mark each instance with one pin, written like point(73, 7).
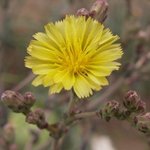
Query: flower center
point(76, 64)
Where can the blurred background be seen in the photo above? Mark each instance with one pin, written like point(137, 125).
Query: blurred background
point(19, 20)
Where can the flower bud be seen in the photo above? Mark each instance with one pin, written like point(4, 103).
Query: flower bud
point(141, 106)
point(37, 117)
point(131, 98)
point(83, 12)
point(29, 99)
point(144, 118)
point(110, 109)
point(113, 106)
point(133, 103)
point(17, 102)
point(13, 100)
point(143, 122)
point(99, 10)
point(143, 127)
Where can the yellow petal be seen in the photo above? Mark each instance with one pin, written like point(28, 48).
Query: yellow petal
point(48, 79)
point(56, 88)
point(42, 69)
point(32, 62)
point(81, 87)
point(38, 80)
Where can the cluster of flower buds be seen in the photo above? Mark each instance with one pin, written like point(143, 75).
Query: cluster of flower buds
point(98, 11)
point(142, 122)
point(133, 106)
point(22, 104)
point(37, 117)
point(17, 102)
point(109, 110)
point(133, 103)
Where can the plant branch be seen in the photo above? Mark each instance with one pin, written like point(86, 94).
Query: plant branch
point(84, 115)
point(24, 82)
point(71, 103)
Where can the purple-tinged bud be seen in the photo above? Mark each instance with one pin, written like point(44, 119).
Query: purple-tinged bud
point(112, 106)
point(99, 10)
point(17, 102)
point(144, 118)
point(29, 99)
point(83, 12)
point(133, 103)
point(37, 117)
point(143, 127)
point(131, 98)
point(141, 106)
point(13, 100)
point(109, 110)
point(143, 122)
point(147, 116)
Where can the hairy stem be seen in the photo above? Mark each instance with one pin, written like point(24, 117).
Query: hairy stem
point(71, 102)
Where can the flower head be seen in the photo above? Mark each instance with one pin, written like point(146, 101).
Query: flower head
point(75, 53)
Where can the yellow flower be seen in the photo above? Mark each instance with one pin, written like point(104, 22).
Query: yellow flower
point(75, 53)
